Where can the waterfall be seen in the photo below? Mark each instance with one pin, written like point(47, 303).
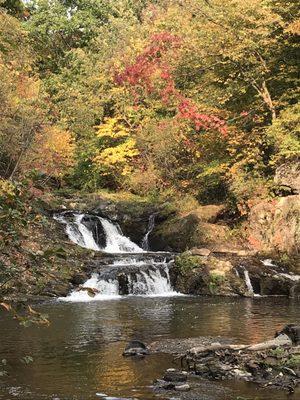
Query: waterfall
point(145, 241)
point(153, 281)
point(288, 275)
point(79, 233)
point(139, 274)
point(248, 281)
point(116, 242)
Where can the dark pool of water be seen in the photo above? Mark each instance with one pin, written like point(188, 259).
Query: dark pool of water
point(80, 355)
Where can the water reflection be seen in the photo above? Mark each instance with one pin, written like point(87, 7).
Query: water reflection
point(79, 355)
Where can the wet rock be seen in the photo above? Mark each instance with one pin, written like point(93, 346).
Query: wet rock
point(135, 348)
point(292, 331)
point(123, 284)
point(224, 274)
point(57, 289)
point(274, 363)
point(78, 279)
point(93, 223)
point(161, 384)
point(173, 375)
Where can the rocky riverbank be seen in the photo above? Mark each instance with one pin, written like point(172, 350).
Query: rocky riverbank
point(201, 272)
point(43, 263)
point(271, 364)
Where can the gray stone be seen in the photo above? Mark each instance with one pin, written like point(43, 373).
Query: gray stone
point(288, 175)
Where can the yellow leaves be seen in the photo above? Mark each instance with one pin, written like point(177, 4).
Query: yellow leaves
point(120, 148)
point(112, 128)
point(214, 168)
point(118, 156)
point(294, 27)
point(27, 87)
point(60, 141)
point(6, 188)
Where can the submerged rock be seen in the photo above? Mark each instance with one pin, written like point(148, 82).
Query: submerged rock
point(135, 348)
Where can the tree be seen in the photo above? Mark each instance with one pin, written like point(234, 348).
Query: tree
point(13, 7)
point(21, 115)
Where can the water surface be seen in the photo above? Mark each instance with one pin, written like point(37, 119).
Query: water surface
point(80, 355)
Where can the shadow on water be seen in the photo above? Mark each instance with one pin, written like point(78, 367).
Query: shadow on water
point(80, 354)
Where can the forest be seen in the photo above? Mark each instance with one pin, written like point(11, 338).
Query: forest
point(148, 148)
point(150, 97)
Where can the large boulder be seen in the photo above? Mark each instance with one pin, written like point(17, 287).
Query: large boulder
point(202, 227)
point(275, 225)
point(287, 175)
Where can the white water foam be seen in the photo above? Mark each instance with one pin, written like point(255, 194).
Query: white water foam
point(103, 289)
point(292, 277)
point(151, 280)
point(248, 281)
point(116, 242)
point(152, 283)
point(268, 262)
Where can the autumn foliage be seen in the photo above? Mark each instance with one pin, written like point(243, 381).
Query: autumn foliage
point(196, 96)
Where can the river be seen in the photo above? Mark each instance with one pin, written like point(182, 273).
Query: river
point(79, 356)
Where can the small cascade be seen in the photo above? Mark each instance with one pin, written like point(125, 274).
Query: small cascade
point(96, 289)
point(96, 233)
point(279, 271)
point(151, 225)
point(248, 281)
point(115, 241)
point(127, 269)
point(116, 280)
point(77, 231)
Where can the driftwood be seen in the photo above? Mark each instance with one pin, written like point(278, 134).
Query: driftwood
point(281, 340)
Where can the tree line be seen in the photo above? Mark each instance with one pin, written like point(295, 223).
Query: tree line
point(152, 97)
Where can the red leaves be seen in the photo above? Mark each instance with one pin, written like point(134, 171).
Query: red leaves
point(150, 65)
point(188, 110)
point(150, 61)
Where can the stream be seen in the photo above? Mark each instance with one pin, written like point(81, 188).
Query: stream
point(79, 357)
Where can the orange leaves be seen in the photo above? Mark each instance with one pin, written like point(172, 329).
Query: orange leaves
point(53, 152)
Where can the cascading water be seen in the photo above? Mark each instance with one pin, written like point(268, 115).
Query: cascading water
point(248, 282)
point(145, 241)
point(79, 233)
point(276, 269)
point(133, 271)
